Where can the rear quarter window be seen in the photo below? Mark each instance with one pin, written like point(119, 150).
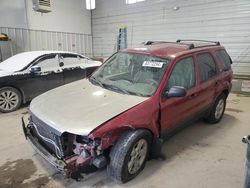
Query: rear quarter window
point(224, 59)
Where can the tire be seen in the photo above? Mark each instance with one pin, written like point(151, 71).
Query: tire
point(10, 99)
point(215, 115)
point(120, 155)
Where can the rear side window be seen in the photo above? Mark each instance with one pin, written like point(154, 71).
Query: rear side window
point(207, 67)
point(71, 60)
point(224, 59)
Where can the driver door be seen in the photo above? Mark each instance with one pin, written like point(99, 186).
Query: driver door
point(49, 77)
point(177, 110)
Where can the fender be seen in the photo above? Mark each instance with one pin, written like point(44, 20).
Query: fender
point(143, 116)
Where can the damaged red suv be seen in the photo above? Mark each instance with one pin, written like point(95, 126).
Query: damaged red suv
point(119, 116)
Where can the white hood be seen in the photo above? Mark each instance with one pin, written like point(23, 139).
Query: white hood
point(80, 107)
point(5, 73)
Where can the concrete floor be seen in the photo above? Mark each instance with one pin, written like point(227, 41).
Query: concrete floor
point(199, 156)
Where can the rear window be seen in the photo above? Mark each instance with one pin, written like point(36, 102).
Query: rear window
point(224, 59)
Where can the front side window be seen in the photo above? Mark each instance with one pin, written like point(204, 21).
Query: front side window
point(183, 74)
point(49, 63)
point(207, 67)
point(224, 59)
point(130, 73)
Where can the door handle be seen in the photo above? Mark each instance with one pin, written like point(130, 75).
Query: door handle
point(193, 96)
point(216, 83)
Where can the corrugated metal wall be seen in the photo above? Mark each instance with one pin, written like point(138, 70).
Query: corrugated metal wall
point(227, 21)
point(27, 40)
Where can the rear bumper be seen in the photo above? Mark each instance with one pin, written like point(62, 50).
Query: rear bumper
point(59, 164)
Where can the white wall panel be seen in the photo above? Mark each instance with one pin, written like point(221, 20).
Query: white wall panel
point(13, 13)
point(27, 40)
point(227, 21)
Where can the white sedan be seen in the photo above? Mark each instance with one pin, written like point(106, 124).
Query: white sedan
point(26, 75)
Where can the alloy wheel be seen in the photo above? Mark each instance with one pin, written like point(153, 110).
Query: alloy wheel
point(137, 156)
point(219, 109)
point(8, 100)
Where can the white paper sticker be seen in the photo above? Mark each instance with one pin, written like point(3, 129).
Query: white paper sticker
point(152, 64)
point(245, 86)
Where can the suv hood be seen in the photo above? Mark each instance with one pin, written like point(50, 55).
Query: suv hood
point(80, 107)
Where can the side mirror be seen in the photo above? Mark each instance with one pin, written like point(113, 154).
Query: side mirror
point(35, 69)
point(176, 91)
point(61, 64)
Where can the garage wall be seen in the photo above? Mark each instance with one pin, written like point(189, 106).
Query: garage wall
point(226, 21)
point(66, 16)
point(29, 40)
point(67, 27)
point(13, 13)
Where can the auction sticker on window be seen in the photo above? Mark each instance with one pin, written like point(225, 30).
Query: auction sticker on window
point(152, 64)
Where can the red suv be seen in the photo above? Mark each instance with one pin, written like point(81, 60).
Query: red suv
point(120, 115)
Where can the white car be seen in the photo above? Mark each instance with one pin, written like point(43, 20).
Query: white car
point(26, 75)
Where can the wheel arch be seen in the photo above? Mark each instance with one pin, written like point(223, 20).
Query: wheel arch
point(225, 92)
point(23, 99)
point(112, 136)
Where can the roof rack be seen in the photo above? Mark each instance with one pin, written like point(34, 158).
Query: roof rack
point(190, 46)
point(217, 43)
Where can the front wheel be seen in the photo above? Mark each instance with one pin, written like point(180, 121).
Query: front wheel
point(10, 99)
point(217, 110)
point(129, 155)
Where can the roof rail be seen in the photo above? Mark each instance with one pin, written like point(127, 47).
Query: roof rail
point(217, 43)
point(190, 46)
point(155, 42)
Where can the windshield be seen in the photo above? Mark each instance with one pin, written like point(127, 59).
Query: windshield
point(135, 74)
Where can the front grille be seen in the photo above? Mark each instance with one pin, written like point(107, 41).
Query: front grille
point(46, 136)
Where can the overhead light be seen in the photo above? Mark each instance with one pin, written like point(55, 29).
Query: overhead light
point(90, 4)
point(176, 8)
point(133, 1)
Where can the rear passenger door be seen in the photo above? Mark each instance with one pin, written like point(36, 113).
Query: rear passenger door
point(207, 78)
point(73, 67)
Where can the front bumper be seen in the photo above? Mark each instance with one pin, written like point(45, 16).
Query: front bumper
point(59, 164)
point(70, 166)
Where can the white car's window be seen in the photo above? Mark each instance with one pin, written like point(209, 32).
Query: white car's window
point(71, 60)
point(49, 63)
point(135, 74)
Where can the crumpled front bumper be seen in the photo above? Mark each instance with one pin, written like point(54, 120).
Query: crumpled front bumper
point(70, 166)
point(59, 164)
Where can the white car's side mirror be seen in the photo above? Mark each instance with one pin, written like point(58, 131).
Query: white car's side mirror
point(35, 69)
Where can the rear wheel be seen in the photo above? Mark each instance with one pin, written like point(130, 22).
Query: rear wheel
point(10, 99)
point(129, 155)
point(217, 110)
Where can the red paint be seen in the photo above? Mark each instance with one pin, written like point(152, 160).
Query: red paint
point(159, 114)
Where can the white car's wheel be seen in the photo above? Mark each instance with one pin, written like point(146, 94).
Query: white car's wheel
point(10, 99)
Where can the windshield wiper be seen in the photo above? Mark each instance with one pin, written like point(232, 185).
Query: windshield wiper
point(93, 80)
point(115, 88)
point(137, 94)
